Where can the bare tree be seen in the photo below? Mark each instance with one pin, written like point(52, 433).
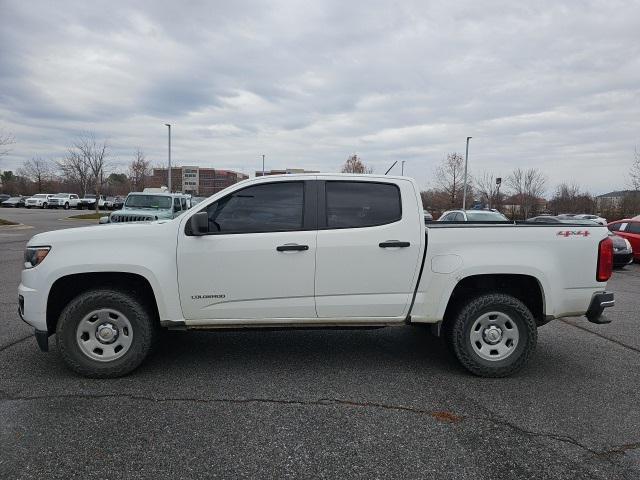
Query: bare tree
point(449, 178)
point(634, 172)
point(75, 168)
point(569, 198)
point(139, 170)
point(87, 159)
point(487, 189)
point(355, 165)
point(6, 139)
point(38, 170)
point(527, 186)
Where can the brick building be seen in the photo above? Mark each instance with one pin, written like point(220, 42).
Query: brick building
point(196, 180)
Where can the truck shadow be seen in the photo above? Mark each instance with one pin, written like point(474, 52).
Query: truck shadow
point(314, 349)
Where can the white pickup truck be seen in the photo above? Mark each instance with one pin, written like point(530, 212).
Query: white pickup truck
point(311, 251)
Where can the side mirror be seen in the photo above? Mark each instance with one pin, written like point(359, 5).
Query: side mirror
point(200, 223)
point(103, 220)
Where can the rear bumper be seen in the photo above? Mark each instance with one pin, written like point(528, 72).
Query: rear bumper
point(599, 302)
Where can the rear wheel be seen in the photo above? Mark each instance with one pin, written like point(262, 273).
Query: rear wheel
point(105, 333)
point(44, 205)
point(493, 335)
point(66, 206)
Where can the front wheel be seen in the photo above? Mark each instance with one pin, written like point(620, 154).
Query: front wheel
point(66, 206)
point(44, 206)
point(105, 333)
point(494, 335)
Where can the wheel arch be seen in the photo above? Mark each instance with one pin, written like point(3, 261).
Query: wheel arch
point(67, 287)
point(526, 288)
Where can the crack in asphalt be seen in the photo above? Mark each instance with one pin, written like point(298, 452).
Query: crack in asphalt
point(442, 416)
point(619, 450)
point(15, 342)
point(618, 342)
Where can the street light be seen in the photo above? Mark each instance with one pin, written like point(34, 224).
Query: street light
point(169, 181)
point(464, 190)
point(263, 164)
point(402, 168)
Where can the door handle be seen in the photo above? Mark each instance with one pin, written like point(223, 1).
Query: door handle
point(291, 247)
point(394, 244)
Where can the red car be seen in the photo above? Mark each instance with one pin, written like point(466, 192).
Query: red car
point(628, 228)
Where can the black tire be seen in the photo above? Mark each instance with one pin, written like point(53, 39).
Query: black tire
point(519, 317)
point(66, 206)
point(45, 206)
point(143, 326)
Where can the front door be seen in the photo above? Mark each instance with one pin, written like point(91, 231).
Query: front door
point(258, 260)
point(369, 243)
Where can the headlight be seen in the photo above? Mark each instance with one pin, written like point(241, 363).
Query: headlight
point(33, 256)
point(628, 244)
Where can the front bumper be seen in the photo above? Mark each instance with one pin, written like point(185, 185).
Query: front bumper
point(42, 336)
point(599, 302)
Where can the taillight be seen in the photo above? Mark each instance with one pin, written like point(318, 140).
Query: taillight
point(605, 260)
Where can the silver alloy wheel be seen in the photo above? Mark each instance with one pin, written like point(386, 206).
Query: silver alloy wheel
point(494, 336)
point(104, 335)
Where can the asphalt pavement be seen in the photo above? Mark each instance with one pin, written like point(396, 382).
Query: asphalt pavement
point(388, 403)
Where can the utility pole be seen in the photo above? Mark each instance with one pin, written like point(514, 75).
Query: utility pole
point(263, 164)
point(464, 190)
point(169, 181)
point(402, 168)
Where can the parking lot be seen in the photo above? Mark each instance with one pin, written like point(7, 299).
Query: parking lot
point(388, 403)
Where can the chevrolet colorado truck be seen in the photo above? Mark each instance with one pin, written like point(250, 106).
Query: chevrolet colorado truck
point(311, 251)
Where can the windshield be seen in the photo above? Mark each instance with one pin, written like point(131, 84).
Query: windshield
point(485, 216)
point(148, 201)
point(89, 195)
point(40, 195)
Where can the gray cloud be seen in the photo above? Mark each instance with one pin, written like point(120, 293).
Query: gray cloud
point(550, 85)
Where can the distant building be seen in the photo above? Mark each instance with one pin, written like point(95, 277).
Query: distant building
point(611, 200)
point(284, 172)
point(196, 180)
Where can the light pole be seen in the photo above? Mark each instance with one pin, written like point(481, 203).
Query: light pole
point(169, 181)
point(402, 168)
point(464, 190)
point(263, 164)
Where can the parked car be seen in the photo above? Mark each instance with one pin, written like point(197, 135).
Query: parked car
point(317, 250)
point(40, 200)
point(472, 216)
point(14, 202)
point(427, 216)
point(64, 200)
point(622, 250)
point(4, 197)
point(89, 202)
point(149, 206)
point(117, 202)
point(108, 203)
point(629, 229)
point(595, 218)
point(566, 219)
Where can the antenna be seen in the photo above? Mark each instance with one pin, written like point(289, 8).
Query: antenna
point(394, 164)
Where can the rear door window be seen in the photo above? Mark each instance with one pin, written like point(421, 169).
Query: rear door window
point(361, 204)
point(633, 227)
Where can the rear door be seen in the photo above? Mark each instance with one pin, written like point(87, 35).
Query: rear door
point(368, 248)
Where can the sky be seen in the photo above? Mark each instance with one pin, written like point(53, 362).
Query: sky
point(547, 84)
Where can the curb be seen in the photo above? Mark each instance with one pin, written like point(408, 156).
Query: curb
point(19, 226)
